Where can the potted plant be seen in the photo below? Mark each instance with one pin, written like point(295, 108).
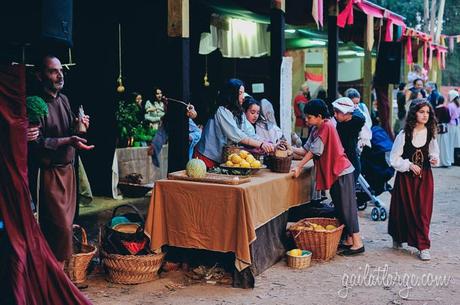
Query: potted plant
point(127, 120)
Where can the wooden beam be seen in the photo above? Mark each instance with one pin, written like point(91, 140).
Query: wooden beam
point(178, 18)
point(277, 49)
point(367, 66)
point(332, 51)
point(178, 75)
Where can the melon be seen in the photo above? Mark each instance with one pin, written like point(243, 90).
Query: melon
point(195, 168)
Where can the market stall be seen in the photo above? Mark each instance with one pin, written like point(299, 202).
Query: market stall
point(248, 220)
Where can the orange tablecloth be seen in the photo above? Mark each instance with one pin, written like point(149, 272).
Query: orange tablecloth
point(221, 217)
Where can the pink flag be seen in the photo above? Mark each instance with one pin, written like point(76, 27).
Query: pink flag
point(346, 16)
point(409, 50)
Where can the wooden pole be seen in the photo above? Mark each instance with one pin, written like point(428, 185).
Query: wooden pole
point(179, 86)
point(277, 49)
point(332, 51)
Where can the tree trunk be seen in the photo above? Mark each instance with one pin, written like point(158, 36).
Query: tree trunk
point(426, 15)
point(432, 17)
point(442, 4)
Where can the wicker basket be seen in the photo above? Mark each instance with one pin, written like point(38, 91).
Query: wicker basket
point(131, 269)
point(281, 165)
point(76, 266)
point(322, 244)
point(299, 262)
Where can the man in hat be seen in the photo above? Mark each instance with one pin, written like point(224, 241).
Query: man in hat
point(349, 123)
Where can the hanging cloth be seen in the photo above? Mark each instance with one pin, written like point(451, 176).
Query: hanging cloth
point(317, 12)
point(345, 17)
point(32, 275)
point(409, 58)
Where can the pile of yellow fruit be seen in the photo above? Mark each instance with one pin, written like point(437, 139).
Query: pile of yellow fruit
point(296, 252)
point(243, 159)
point(310, 226)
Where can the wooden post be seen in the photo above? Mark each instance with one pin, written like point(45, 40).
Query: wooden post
point(277, 49)
point(332, 51)
point(179, 87)
point(367, 73)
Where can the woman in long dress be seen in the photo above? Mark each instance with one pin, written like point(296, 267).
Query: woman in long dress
point(443, 117)
point(414, 151)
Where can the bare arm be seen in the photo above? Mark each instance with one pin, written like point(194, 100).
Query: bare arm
point(308, 156)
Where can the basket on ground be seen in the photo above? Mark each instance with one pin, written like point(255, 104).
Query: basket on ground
point(131, 269)
point(299, 262)
point(77, 265)
point(322, 243)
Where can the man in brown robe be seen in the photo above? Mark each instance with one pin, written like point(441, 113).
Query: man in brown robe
point(55, 154)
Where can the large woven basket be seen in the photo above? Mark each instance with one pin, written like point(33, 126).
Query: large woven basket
point(322, 244)
point(131, 269)
point(76, 266)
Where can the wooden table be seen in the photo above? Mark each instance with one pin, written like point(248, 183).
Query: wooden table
point(220, 217)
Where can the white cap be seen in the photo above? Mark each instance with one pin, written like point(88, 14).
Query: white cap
point(344, 105)
point(452, 95)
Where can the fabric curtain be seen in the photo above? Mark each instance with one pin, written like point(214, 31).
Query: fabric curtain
point(240, 39)
point(32, 275)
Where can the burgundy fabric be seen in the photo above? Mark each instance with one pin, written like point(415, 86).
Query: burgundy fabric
point(411, 209)
point(34, 275)
point(333, 161)
point(383, 107)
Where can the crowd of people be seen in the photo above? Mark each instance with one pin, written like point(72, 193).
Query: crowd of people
point(427, 128)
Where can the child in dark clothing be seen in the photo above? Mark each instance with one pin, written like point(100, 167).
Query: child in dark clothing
point(350, 121)
point(333, 171)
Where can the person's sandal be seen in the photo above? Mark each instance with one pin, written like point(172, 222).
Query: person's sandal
point(397, 245)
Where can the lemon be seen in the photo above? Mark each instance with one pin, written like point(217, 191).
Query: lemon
point(319, 228)
point(243, 154)
point(229, 163)
point(229, 158)
point(330, 227)
point(236, 159)
point(245, 164)
point(255, 164)
point(295, 252)
point(250, 158)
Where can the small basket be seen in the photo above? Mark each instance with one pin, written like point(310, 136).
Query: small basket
point(131, 269)
point(299, 262)
point(76, 266)
point(322, 244)
point(281, 165)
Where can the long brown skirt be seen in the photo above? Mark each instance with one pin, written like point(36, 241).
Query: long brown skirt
point(411, 209)
point(57, 208)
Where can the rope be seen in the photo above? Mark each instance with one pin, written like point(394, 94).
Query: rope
point(119, 50)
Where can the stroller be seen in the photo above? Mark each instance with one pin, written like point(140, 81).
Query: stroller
point(375, 173)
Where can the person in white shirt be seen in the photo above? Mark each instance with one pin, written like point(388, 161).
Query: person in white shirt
point(414, 151)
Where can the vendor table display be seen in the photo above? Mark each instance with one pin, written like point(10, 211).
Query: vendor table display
point(220, 217)
point(131, 160)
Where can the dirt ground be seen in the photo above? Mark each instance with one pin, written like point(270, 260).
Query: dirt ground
point(325, 283)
